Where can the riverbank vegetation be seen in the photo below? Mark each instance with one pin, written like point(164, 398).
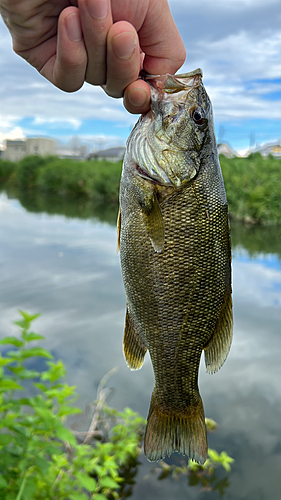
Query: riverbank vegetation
point(253, 188)
point(42, 458)
point(94, 180)
point(252, 184)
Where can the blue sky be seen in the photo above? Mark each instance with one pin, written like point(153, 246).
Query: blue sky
point(237, 43)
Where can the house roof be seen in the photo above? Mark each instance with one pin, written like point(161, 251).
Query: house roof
point(108, 153)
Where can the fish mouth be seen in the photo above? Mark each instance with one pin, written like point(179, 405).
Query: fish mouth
point(156, 157)
point(171, 84)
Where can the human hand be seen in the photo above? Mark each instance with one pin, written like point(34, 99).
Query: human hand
point(103, 42)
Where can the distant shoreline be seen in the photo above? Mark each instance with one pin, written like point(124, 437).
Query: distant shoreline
point(252, 184)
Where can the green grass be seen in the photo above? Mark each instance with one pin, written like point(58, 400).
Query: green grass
point(253, 188)
point(252, 184)
point(95, 180)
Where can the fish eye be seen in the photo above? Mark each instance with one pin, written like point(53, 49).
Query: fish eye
point(198, 116)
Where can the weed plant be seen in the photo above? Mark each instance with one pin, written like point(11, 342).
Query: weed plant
point(253, 188)
point(252, 184)
point(41, 458)
point(94, 180)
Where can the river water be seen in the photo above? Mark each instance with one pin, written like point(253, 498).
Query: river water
point(67, 268)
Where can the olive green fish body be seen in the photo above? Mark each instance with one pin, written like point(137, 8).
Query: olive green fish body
point(175, 258)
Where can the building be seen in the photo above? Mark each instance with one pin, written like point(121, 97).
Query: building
point(40, 146)
point(18, 149)
point(111, 154)
point(15, 150)
point(271, 149)
point(225, 149)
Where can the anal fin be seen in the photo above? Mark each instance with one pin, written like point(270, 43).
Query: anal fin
point(133, 346)
point(217, 349)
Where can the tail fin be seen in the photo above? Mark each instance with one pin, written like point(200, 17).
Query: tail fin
point(182, 431)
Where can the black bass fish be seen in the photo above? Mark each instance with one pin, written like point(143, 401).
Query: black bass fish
point(176, 259)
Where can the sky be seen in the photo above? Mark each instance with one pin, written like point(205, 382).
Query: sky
point(237, 43)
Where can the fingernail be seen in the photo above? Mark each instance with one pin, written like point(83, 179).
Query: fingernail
point(98, 9)
point(124, 45)
point(137, 97)
point(73, 28)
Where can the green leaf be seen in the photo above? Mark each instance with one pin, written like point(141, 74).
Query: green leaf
point(45, 413)
point(3, 362)
point(12, 340)
point(7, 384)
point(29, 317)
point(55, 372)
point(42, 464)
point(79, 496)
point(3, 482)
point(226, 460)
point(37, 351)
point(98, 496)
point(108, 482)
point(67, 410)
point(29, 336)
point(213, 454)
point(30, 488)
point(65, 434)
point(5, 439)
point(194, 466)
point(11, 496)
point(211, 425)
point(86, 482)
point(23, 373)
point(21, 323)
point(42, 387)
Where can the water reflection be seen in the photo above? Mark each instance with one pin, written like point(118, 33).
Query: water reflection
point(256, 239)
point(67, 268)
point(81, 208)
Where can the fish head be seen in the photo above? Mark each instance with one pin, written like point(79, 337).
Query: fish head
point(169, 142)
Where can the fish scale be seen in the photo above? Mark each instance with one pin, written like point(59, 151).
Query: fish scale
point(175, 259)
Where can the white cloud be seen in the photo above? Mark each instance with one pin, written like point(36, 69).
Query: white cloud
point(257, 283)
point(13, 134)
point(222, 5)
point(236, 42)
point(57, 122)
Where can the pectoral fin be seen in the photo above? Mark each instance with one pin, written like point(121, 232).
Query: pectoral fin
point(133, 346)
point(217, 349)
point(152, 215)
point(154, 224)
